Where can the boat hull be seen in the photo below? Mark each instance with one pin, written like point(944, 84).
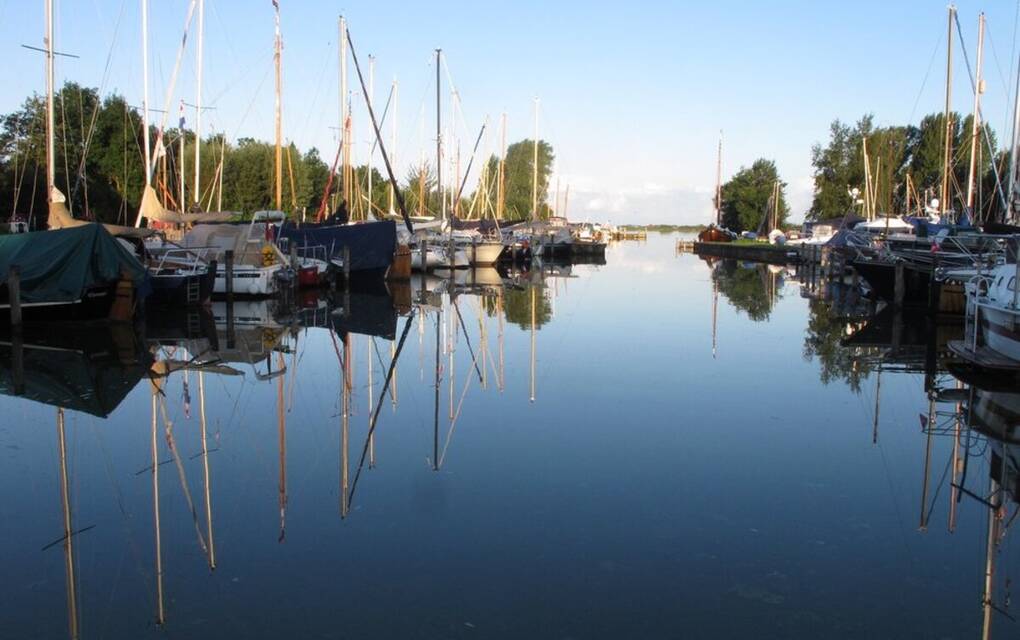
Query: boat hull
point(1001, 330)
point(182, 289)
point(258, 282)
point(370, 246)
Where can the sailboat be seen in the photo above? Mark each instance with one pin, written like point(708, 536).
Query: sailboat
point(715, 232)
point(368, 246)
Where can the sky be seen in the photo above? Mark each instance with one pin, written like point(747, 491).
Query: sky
point(632, 96)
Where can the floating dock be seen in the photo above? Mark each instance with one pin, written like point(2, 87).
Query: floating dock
point(752, 252)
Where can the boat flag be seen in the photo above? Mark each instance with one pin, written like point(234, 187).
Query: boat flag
point(182, 116)
point(924, 420)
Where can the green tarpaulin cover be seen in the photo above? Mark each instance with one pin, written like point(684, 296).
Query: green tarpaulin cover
point(58, 266)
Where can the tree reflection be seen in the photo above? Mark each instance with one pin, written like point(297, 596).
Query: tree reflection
point(753, 289)
point(823, 340)
point(518, 306)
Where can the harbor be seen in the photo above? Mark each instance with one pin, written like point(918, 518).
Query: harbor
point(359, 326)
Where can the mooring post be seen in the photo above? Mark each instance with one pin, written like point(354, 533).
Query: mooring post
point(899, 285)
point(229, 275)
point(14, 294)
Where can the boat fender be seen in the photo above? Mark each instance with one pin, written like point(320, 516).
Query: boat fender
point(268, 256)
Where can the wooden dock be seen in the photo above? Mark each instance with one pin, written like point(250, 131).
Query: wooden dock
point(629, 234)
point(751, 252)
point(982, 357)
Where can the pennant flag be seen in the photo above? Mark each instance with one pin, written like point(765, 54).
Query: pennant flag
point(182, 115)
point(924, 420)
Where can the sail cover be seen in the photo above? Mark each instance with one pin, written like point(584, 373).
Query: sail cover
point(59, 266)
point(153, 210)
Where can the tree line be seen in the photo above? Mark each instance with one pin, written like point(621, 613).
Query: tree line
point(100, 167)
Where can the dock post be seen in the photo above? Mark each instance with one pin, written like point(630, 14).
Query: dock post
point(347, 268)
point(229, 274)
point(14, 294)
point(900, 285)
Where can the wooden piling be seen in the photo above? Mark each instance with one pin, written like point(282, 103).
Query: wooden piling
point(14, 294)
point(900, 285)
point(229, 275)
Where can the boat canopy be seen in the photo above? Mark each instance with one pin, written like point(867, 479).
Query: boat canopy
point(59, 266)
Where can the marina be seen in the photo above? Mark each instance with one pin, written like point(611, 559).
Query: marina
point(301, 336)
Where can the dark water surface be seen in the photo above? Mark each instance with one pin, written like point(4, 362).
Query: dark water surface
point(648, 480)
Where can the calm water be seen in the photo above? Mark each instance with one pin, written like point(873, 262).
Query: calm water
point(598, 463)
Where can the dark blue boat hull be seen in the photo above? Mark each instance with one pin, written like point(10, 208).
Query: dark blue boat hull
point(371, 244)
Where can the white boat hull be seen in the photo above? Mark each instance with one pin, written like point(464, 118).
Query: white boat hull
point(483, 253)
point(1001, 330)
point(249, 280)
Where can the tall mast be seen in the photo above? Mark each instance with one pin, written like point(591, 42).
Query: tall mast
point(1011, 203)
point(196, 188)
point(566, 197)
point(393, 138)
point(534, 169)
point(976, 118)
point(279, 115)
point(947, 148)
point(371, 146)
point(181, 154)
point(65, 498)
point(500, 187)
point(718, 183)
point(344, 115)
point(439, 137)
point(51, 171)
point(145, 93)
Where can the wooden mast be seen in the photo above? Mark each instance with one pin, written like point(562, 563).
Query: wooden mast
point(501, 186)
point(65, 498)
point(282, 435)
point(197, 189)
point(947, 147)
point(976, 118)
point(718, 183)
point(205, 463)
point(534, 170)
point(160, 613)
point(277, 55)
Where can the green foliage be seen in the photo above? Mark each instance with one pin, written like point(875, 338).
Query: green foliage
point(519, 178)
point(746, 196)
point(894, 153)
point(750, 290)
point(517, 305)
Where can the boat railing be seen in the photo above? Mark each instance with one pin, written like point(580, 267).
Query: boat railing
point(187, 261)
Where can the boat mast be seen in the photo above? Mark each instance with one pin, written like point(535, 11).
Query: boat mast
point(181, 154)
point(371, 147)
point(534, 170)
point(976, 118)
point(393, 138)
point(500, 187)
point(65, 496)
point(947, 148)
point(145, 98)
point(196, 188)
point(1011, 209)
point(51, 170)
point(205, 463)
point(345, 185)
point(278, 161)
point(439, 139)
point(718, 183)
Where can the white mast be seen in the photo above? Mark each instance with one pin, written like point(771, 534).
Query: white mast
point(718, 183)
point(976, 118)
point(1011, 202)
point(51, 171)
point(534, 170)
point(181, 122)
point(197, 188)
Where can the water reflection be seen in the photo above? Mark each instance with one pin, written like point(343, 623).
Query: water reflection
point(400, 463)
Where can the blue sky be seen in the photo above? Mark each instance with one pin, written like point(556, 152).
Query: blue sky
point(633, 95)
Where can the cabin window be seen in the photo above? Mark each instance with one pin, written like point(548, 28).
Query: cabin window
point(1012, 283)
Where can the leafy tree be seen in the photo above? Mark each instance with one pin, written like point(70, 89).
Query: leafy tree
point(518, 178)
point(746, 195)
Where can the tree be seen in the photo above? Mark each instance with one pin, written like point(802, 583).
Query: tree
point(519, 178)
point(745, 198)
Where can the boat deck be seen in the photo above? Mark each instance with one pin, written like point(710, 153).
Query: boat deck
point(982, 357)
